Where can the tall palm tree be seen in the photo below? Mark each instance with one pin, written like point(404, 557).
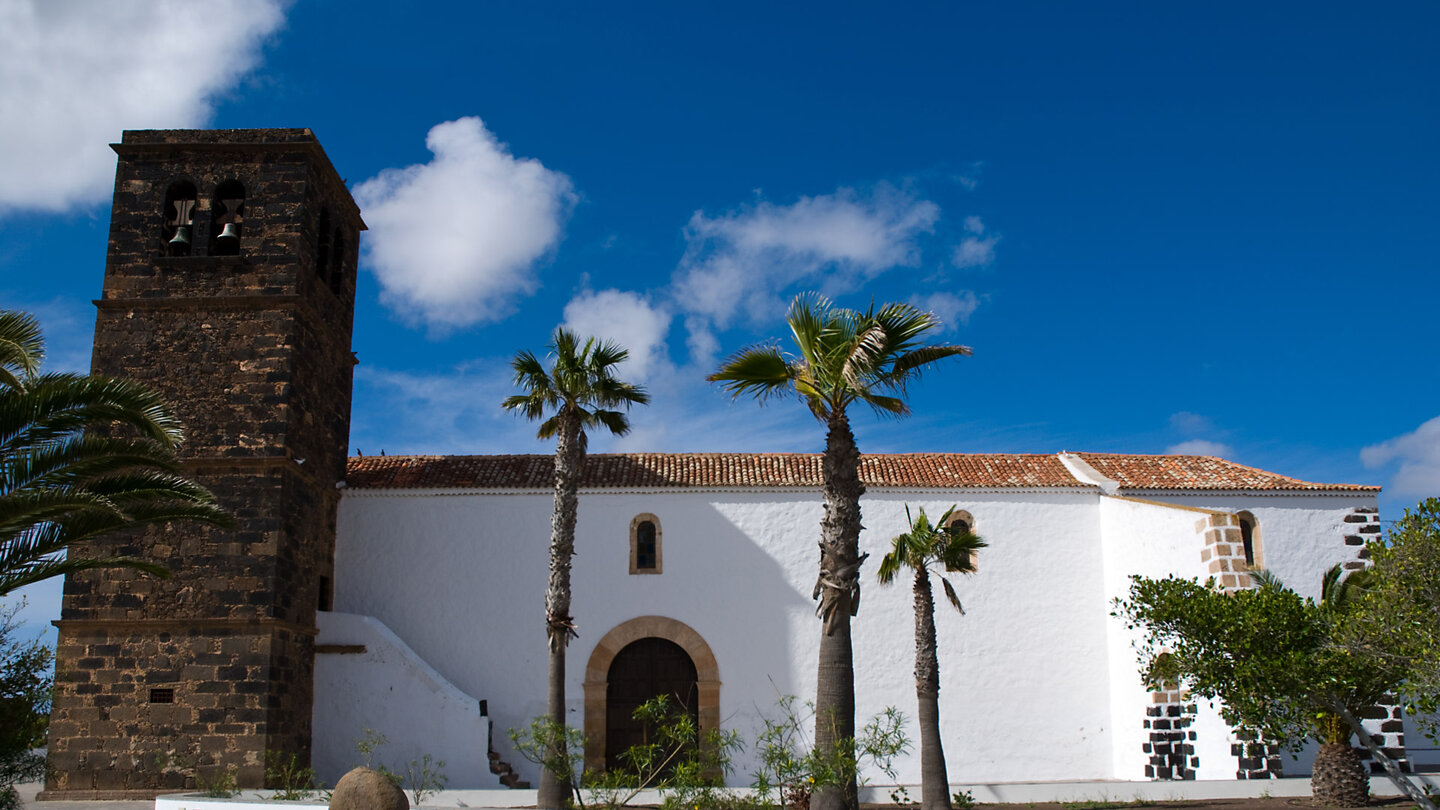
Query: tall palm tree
point(843, 357)
point(81, 456)
point(578, 392)
point(952, 547)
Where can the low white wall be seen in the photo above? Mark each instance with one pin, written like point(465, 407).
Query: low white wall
point(987, 793)
point(391, 690)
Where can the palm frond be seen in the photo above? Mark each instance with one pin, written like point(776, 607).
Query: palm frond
point(12, 579)
point(1339, 587)
point(55, 405)
point(1265, 579)
point(759, 371)
point(22, 348)
point(885, 405)
point(614, 421)
point(950, 595)
point(807, 318)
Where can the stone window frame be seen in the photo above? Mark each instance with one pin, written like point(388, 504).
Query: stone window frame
point(1254, 556)
point(962, 516)
point(597, 677)
point(635, 522)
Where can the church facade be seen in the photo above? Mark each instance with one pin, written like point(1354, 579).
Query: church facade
point(716, 554)
point(404, 595)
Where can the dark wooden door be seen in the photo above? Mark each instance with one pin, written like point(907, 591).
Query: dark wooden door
point(639, 672)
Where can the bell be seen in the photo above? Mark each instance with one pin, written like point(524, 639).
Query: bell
point(180, 244)
point(228, 242)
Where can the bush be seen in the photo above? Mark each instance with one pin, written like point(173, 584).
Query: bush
point(791, 769)
point(24, 707)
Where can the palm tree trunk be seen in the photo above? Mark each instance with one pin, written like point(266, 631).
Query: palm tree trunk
point(838, 590)
point(1337, 778)
point(934, 782)
point(1409, 788)
point(556, 789)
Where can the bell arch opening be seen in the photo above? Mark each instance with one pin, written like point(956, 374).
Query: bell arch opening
point(658, 637)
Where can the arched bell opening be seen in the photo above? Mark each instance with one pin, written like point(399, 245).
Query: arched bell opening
point(178, 215)
point(227, 214)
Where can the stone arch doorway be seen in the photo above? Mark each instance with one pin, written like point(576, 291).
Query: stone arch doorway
point(662, 637)
point(642, 670)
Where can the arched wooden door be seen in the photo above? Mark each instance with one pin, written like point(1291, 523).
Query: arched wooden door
point(642, 670)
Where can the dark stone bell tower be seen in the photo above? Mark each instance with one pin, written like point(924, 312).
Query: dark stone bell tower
point(230, 288)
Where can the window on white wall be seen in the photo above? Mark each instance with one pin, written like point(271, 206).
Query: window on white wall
point(645, 548)
point(965, 522)
point(1250, 538)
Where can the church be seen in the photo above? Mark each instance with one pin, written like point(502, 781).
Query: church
point(403, 596)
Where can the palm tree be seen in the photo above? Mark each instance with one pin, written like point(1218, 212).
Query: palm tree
point(578, 392)
point(953, 547)
point(1338, 777)
point(81, 456)
point(844, 357)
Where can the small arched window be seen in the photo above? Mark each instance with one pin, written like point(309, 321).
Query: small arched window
point(965, 522)
point(178, 234)
point(227, 215)
point(1250, 539)
point(645, 556)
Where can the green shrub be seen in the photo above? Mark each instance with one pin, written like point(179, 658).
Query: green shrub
point(24, 707)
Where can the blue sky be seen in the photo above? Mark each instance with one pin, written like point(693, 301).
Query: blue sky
point(1162, 227)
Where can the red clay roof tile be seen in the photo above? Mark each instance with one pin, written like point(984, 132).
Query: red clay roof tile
point(755, 470)
point(1198, 473)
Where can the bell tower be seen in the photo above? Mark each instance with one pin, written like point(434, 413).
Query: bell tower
point(229, 287)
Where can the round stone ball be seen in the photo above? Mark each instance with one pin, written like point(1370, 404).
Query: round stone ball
point(367, 789)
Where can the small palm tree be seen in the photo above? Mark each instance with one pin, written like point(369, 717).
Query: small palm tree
point(81, 456)
point(1338, 776)
point(578, 392)
point(843, 357)
point(952, 547)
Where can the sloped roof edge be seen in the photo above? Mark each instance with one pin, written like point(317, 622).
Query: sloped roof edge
point(802, 470)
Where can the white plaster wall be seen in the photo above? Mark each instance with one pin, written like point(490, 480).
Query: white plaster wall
point(389, 689)
point(1026, 675)
point(1023, 677)
point(1301, 537)
point(461, 577)
point(1149, 540)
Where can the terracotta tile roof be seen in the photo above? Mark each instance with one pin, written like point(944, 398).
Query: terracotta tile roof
point(626, 470)
point(747, 470)
point(1199, 473)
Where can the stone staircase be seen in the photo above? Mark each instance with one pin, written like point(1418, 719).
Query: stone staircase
point(506, 772)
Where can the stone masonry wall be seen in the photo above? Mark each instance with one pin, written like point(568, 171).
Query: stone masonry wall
point(163, 681)
point(1171, 740)
point(1224, 550)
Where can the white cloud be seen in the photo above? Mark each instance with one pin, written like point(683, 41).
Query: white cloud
point(1191, 423)
point(738, 263)
point(1419, 455)
point(630, 320)
point(1201, 447)
point(953, 309)
point(73, 75)
point(975, 249)
point(455, 241)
